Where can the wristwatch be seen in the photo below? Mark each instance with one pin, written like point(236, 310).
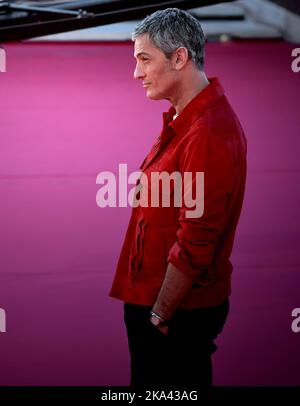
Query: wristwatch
point(157, 320)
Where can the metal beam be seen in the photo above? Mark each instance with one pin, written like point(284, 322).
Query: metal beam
point(36, 24)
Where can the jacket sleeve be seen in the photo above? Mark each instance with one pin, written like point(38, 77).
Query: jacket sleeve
point(197, 237)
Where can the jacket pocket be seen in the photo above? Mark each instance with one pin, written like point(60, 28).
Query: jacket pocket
point(137, 253)
point(149, 265)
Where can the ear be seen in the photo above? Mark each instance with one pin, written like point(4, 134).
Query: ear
point(180, 58)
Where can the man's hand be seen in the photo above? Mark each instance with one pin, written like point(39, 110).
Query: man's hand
point(159, 323)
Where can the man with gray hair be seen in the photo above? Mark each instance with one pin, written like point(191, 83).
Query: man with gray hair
point(174, 272)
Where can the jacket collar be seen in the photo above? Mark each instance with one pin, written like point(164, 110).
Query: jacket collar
point(202, 101)
point(195, 108)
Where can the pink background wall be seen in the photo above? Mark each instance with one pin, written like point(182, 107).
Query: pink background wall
point(70, 111)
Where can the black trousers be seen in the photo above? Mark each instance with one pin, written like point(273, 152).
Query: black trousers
point(183, 356)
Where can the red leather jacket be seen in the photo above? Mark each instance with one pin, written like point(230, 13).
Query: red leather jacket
point(206, 137)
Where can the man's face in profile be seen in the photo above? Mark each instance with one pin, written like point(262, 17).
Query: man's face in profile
point(154, 70)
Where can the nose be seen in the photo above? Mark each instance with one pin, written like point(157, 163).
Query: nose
point(138, 72)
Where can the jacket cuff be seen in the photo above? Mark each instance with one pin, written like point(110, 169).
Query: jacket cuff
point(181, 261)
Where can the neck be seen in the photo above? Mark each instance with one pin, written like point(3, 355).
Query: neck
point(187, 90)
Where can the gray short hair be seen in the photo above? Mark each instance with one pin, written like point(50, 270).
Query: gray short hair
point(172, 28)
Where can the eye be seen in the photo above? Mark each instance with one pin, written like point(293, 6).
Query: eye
point(144, 59)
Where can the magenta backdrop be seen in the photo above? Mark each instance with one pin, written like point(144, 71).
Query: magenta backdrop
point(70, 111)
